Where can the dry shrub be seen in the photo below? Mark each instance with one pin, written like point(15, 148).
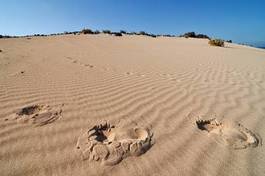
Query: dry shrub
point(217, 42)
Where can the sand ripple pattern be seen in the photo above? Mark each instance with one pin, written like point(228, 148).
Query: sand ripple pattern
point(150, 81)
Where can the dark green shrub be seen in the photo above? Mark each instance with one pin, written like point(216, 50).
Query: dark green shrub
point(152, 35)
point(229, 41)
point(106, 31)
point(86, 31)
point(189, 34)
point(194, 35)
point(132, 33)
point(123, 32)
point(202, 36)
point(118, 34)
point(168, 35)
point(216, 42)
point(142, 33)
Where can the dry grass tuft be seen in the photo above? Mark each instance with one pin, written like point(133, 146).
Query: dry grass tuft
point(217, 42)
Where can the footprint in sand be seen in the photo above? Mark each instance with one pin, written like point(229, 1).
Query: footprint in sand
point(110, 144)
point(38, 115)
point(88, 65)
point(234, 134)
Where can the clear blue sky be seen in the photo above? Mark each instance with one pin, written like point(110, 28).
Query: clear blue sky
point(239, 20)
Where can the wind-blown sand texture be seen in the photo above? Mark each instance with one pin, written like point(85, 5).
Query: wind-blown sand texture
point(155, 82)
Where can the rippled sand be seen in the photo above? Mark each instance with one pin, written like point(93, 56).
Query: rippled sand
point(164, 83)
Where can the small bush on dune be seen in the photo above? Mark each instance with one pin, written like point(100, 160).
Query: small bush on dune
point(86, 31)
point(7, 36)
point(189, 34)
point(216, 42)
point(146, 34)
point(202, 36)
point(118, 34)
point(168, 35)
point(152, 35)
point(229, 41)
point(106, 31)
point(142, 33)
point(123, 32)
point(194, 35)
point(132, 33)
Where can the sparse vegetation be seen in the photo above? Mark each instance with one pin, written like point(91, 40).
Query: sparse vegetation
point(216, 42)
point(152, 35)
point(194, 35)
point(86, 31)
point(106, 31)
point(123, 32)
point(143, 33)
point(229, 41)
point(7, 36)
point(189, 35)
point(132, 33)
point(118, 34)
point(168, 35)
point(202, 36)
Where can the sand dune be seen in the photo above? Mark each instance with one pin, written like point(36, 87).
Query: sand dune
point(163, 83)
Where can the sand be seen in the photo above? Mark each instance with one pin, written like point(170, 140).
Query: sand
point(54, 89)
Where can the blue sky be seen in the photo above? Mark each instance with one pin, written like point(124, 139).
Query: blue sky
point(239, 20)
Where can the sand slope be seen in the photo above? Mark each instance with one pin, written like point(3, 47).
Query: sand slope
point(162, 82)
